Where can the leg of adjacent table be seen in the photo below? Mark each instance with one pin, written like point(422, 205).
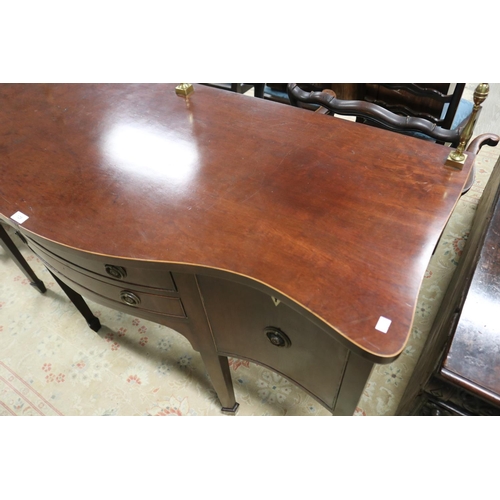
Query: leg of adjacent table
point(80, 304)
point(16, 256)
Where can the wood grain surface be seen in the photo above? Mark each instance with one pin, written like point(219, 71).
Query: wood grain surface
point(473, 357)
point(423, 379)
point(339, 217)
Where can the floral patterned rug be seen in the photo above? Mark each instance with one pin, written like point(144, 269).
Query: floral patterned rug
point(51, 363)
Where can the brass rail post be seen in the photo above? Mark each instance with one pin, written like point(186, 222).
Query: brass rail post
point(457, 158)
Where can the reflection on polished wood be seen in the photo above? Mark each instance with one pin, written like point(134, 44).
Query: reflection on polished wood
point(253, 210)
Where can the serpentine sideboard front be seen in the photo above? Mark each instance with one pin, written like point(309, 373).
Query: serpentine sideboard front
point(256, 230)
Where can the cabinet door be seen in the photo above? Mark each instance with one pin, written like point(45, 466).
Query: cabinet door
point(250, 324)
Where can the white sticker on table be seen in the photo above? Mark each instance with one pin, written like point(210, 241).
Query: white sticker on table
point(19, 217)
point(383, 324)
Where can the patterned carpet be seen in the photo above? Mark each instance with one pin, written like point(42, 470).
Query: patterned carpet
point(51, 363)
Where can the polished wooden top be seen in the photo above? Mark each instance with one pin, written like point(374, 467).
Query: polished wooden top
point(473, 360)
point(340, 217)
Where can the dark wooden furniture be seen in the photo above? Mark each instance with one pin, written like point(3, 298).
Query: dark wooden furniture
point(439, 103)
point(458, 372)
point(14, 253)
point(240, 88)
point(431, 101)
point(254, 229)
point(436, 102)
point(373, 113)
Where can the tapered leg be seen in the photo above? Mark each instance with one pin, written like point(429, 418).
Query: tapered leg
point(80, 304)
point(356, 375)
point(217, 366)
point(220, 375)
point(16, 256)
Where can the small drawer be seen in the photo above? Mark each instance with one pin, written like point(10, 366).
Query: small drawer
point(250, 324)
point(130, 296)
point(128, 272)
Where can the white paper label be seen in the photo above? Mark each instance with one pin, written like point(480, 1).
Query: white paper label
point(383, 324)
point(19, 217)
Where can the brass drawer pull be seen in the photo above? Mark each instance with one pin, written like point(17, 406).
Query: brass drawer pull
point(277, 337)
point(116, 271)
point(129, 298)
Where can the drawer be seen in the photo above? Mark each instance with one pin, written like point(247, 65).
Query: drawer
point(247, 323)
point(111, 269)
point(133, 297)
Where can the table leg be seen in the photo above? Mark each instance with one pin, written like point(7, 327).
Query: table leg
point(220, 376)
point(356, 375)
point(80, 304)
point(16, 256)
point(217, 366)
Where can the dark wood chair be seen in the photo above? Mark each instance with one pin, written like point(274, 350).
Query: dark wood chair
point(441, 103)
point(433, 101)
point(403, 121)
point(376, 115)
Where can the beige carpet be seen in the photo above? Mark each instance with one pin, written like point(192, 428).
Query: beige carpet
point(51, 363)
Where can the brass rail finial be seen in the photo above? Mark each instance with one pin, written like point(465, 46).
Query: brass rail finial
point(457, 158)
point(184, 89)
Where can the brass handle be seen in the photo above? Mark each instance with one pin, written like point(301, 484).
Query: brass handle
point(129, 298)
point(116, 271)
point(277, 337)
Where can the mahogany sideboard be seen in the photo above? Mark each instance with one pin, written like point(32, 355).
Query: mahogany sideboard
point(261, 231)
point(458, 372)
